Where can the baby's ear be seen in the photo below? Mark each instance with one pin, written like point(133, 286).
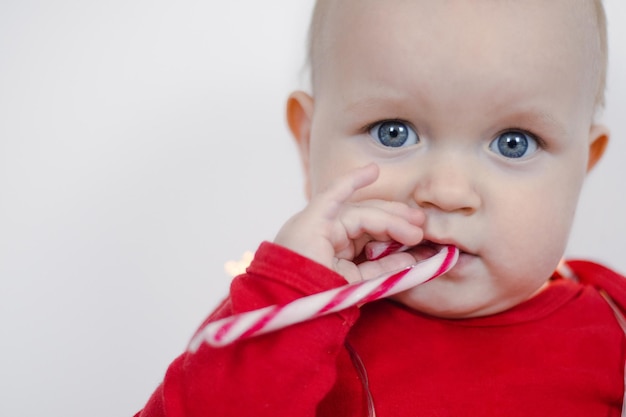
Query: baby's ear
point(598, 140)
point(299, 118)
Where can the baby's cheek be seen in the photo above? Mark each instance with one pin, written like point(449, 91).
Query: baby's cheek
point(379, 191)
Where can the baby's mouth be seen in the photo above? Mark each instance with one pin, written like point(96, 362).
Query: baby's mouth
point(425, 250)
point(421, 251)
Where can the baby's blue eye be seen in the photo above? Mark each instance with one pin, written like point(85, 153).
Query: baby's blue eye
point(514, 144)
point(394, 134)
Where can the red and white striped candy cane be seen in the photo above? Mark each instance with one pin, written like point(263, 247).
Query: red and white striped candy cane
point(375, 250)
point(241, 326)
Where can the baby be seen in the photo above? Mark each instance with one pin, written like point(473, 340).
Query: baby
point(465, 123)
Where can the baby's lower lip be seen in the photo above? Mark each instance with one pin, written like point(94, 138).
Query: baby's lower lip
point(426, 250)
point(464, 261)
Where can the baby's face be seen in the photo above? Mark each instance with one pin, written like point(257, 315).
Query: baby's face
point(480, 112)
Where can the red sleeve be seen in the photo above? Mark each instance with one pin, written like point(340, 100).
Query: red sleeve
point(287, 372)
point(601, 278)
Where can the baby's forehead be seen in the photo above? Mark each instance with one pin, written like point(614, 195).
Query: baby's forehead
point(584, 19)
point(324, 10)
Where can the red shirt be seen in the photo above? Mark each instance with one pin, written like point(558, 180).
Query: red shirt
point(561, 353)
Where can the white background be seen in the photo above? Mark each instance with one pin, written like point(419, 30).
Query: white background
point(143, 145)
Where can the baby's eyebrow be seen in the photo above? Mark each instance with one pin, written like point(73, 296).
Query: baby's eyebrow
point(373, 103)
point(543, 119)
point(539, 118)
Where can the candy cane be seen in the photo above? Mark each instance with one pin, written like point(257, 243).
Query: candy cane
point(241, 326)
point(375, 250)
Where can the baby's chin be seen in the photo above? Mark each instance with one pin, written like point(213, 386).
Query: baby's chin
point(470, 289)
point(443, 311)
point(443, 298)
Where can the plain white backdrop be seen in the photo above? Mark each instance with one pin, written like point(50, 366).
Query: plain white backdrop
point(142, 146)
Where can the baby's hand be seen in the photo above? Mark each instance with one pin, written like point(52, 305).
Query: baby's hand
point(332, 230)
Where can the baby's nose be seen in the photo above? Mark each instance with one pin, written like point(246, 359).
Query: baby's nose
point(447, 184)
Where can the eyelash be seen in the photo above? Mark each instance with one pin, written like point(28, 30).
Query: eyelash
point(541, 143)
point(401, 135)
point(370, 126)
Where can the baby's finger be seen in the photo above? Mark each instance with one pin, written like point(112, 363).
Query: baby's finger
point(393, 262)
point(380, 225)
point(346, 185)
point(413, 215)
